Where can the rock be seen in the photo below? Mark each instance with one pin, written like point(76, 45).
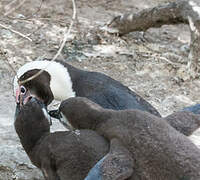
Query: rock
point(14, 163)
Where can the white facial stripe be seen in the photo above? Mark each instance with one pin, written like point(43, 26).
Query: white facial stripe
point(60, 84)
point(16, 85)
point(46, 115)
point(65, 122)
point(192, 26)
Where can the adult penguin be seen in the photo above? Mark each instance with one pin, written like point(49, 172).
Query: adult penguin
point(59, 81)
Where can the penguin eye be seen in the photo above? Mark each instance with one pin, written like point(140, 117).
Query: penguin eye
point(23, 90)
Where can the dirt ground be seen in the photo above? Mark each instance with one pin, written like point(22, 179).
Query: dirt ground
point(149, 63)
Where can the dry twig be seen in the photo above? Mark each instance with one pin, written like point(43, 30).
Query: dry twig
point(9, 65)
point(66, 35)
point(14, 9)
point(30, 16)
point(176, 12)
point(16, 32)
point(6, 59)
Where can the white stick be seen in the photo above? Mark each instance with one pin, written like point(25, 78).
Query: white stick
point(16, 32)
point(66, 34)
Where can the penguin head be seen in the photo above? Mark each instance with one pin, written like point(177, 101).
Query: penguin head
point(53, 82)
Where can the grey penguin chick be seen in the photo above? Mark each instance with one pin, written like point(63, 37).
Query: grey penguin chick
point(154, 148)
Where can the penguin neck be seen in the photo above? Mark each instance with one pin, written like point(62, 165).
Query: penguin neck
point(30, 132)
point(97, 117)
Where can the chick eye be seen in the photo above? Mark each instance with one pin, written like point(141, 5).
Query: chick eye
point(23, 90)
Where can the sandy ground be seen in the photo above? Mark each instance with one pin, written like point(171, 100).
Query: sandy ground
point(150, 64)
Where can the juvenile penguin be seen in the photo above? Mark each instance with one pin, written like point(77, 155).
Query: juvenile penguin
point(185, 122)
point(154, 148)
point(60, 81)
point(60, 155)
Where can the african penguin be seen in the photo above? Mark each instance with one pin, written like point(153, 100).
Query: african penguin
point(147, 144)
point(185, 122)
point(61, 81)
point(63, 155)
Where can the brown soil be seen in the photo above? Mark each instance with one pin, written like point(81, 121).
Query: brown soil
point(150, 63)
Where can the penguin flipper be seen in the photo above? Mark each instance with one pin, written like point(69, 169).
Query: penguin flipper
point(117, 164)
